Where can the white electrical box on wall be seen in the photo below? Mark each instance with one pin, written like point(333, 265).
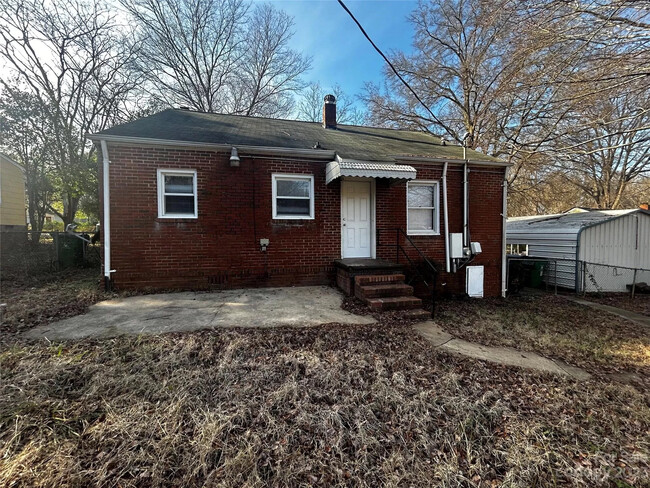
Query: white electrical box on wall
point(474, 281)
point(456, 245)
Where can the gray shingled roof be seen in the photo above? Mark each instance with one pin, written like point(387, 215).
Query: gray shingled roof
point(348, 141)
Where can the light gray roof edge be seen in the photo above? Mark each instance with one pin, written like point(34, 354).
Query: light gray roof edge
point(323, 154)
point(425, 159)
point(541, 224)
point(317, 153)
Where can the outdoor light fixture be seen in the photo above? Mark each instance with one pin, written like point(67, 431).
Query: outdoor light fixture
point(234, 158)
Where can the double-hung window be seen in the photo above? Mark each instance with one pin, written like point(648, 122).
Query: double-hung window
point(177, 194)
point(423, 217)
point(293, 196)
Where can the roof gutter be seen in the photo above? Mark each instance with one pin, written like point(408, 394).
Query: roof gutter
point(325, 155)
point(425, 159)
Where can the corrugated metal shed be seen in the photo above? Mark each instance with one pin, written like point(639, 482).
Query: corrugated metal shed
point(609, 237)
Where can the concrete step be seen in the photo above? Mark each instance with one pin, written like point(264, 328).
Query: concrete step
point(379, 291)
point(394, 303)
point(418, 314)
point(378, 279)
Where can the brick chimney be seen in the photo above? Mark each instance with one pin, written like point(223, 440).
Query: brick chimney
point(644, 206)
point(329, 112)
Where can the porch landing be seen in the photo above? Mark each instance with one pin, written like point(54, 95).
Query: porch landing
point(366, 264)
point(348, 268)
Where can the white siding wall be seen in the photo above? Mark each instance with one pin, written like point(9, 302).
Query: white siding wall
point(621, 243)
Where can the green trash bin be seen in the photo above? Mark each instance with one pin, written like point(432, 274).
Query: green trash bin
point(69, 249)
point(536, 272)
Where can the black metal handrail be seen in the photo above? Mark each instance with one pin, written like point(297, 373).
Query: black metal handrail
point(432, 269)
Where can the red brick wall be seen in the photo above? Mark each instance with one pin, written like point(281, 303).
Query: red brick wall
point(221, 247)
point(486, 223)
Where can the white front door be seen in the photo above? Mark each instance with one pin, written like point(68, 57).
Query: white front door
point(356, 219)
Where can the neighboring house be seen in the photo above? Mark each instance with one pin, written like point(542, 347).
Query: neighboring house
point(12, 194)
point(199, 199)
point(49, 219)
point(616, 239)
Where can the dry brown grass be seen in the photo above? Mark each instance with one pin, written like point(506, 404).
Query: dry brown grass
point(328, 406)
point(600, 342)
point(45, 299)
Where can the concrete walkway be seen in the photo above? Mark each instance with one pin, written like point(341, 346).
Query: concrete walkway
point(500, 355)
point(637, 318)
point(188, 311)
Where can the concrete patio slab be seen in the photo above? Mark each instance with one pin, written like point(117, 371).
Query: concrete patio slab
point(188, 311)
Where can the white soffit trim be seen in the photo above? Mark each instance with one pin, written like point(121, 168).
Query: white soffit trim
point(263, 150)
point(361, 169)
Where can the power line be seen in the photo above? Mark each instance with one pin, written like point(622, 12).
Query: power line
point(436, 119)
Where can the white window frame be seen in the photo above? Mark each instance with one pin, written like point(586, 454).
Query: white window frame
point(436, 217)
point(516, 249)
point(161, 193)
point(304, 177)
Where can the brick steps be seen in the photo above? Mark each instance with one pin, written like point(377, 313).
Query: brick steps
point(387, 292)
point(382, 291)
point(364, 280)
point(394, 303)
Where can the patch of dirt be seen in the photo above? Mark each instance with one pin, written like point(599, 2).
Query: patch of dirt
point(326, 406)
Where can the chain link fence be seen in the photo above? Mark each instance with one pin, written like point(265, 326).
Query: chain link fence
point(603, 278)
point(29, 253)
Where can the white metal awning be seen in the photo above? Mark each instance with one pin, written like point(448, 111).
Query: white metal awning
point(361, 169)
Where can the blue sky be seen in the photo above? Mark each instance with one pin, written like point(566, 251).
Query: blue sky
point(340, 53)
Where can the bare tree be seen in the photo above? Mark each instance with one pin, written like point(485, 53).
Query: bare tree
point(518, 81)
point(607, 147)
point(218, 56)
point(269, 76)
point(310, 105)
point(73, 58)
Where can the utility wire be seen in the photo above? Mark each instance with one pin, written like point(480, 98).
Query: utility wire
point(436, 119)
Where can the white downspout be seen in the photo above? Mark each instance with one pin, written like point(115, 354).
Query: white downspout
point(504, 214)
point(465, 199)
point(446, 216)
point(106, 225)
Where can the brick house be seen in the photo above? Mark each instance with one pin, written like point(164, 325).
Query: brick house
point(194, 200)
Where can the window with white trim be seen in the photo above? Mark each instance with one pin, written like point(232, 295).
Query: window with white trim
point(520, 249)
point(293, 196)
point(177, 194)
point(422, 213)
